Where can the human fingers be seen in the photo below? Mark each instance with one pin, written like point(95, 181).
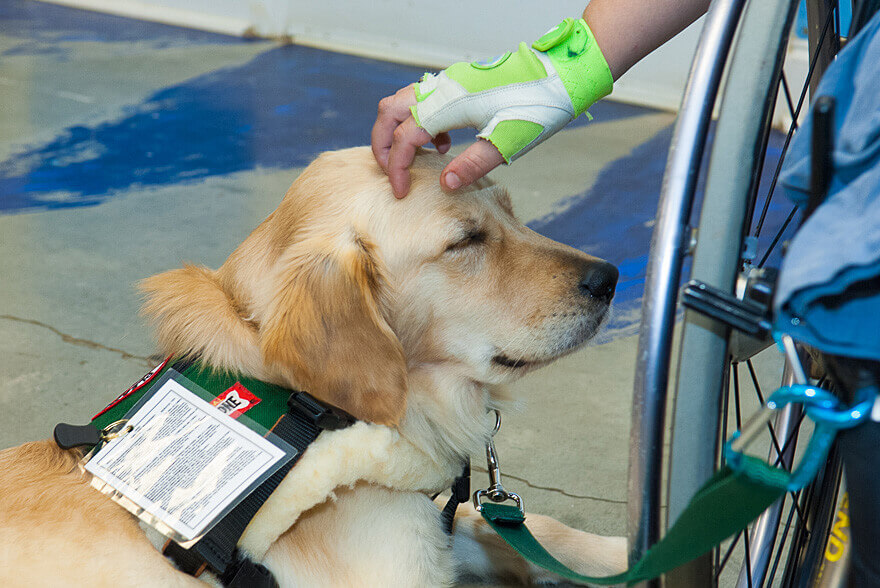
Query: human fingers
point(392, 111)
point(407, 137)
point(442, 142)
point(472, 164)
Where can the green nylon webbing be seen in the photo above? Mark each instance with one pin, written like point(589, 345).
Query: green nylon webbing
point(273, 399)
point(725, 505)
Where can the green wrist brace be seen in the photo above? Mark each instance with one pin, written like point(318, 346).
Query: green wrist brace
point(522, 97)
point(579, 62)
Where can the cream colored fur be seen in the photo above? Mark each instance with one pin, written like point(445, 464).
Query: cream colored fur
point(339, 459)
point(409, 314)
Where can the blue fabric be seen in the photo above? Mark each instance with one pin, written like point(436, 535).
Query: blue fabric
point(829, 286)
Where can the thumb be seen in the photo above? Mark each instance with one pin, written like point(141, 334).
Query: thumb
point(472, 164)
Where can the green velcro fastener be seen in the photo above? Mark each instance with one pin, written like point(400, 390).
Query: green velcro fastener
point(724, 505)
point(573, 50)
point(520, 66)
point(512, 136)
point(554, 36)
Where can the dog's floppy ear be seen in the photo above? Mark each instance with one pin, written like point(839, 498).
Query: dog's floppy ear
point(325, 327)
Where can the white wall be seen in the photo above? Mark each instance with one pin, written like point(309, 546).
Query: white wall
point(433, 33)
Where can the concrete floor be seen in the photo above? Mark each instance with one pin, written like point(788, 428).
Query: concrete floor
point(128, 148)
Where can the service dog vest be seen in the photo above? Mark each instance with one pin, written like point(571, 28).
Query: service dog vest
point(361, 452)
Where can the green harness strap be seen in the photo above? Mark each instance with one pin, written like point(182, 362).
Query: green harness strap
point(725, 505)
point(273, 399)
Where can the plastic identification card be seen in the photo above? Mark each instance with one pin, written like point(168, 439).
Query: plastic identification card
point(180, 463)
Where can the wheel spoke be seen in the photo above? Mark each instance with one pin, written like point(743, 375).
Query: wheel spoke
point(719, 567)
point(780, 450)
point(725, 411)
point(727, 554)
point(782, 542)
point(748, 557)
point(736, 395)
point(790, 439)
point(792, 127)
point(755, 381)
point(801, 533)
point(787, 92)
point(773, 438)
point(778, 236)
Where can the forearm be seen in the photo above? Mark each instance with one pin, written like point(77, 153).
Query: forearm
point(627, 30)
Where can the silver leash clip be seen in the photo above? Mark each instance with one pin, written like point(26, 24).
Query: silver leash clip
point(495, 492)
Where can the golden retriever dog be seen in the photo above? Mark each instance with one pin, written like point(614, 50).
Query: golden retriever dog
point(408, 314)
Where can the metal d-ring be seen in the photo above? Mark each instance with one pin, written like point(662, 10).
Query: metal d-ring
point(115, 429)
point(478, 503)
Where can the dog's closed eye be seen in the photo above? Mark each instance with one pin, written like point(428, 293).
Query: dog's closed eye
point(473, 237)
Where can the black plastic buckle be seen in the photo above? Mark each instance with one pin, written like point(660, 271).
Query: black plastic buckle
point(323, 415)
point(71, 436)
point(247, 574)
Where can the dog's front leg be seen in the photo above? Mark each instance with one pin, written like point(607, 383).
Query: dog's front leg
point(365, 537)
point(480, 553)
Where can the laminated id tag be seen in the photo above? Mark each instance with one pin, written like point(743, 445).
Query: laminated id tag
point(180, 463)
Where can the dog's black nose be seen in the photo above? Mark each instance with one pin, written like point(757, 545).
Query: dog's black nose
point(599, 281)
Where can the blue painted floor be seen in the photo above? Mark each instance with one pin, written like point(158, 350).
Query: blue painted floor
point(275, 110)
point(127, 148)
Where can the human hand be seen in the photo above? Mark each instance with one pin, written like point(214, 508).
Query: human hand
point(396, 136)
point(517, 101)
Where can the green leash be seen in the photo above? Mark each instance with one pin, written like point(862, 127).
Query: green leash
point(723, 506)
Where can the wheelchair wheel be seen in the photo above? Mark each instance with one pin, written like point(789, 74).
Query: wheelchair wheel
point(732, 244)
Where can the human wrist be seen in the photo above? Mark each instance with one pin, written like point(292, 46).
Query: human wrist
point(578, 59)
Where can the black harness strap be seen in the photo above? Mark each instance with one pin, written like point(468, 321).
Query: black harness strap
point(300, 426)
point(461, 493)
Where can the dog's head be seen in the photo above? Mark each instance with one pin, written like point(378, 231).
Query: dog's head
point(343, 290)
